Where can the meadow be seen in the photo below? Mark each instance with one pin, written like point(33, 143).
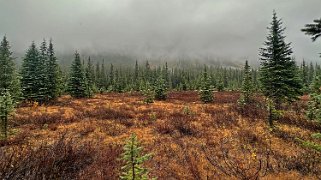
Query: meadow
point(84, 138)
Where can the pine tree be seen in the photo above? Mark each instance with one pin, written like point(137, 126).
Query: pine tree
point(160, 89)
point(279, 74)
point(90, 85)
point(206, 92)
point(52, 71)
point(247, 86)
point(134, 161)
point(6, 108)
point(9, 80)
point(77, 79)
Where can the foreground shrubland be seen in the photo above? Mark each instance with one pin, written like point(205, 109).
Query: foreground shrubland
point(84, 139)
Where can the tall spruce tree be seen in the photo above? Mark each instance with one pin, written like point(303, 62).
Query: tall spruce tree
point(52, 71)
point(77, 79)
point(9, 80)
point(247, 86)
point(32, 76)
point(43, 91)
point(279, 73)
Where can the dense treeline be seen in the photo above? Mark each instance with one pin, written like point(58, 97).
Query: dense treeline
point(42, 80)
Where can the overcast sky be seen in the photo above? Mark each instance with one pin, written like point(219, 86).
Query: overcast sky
point(233, 29)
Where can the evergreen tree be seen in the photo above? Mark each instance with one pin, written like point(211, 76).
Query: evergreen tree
point(220, 85)
point(311, 73)
point(166, 76)
point(103, 76)
point(147, 76)
point(111, 77)
point(254, 79)
point(134, 161)
point(304, 76)
point(136, 77)
point(160, 89)
point(148, 93)
point(33, 75)
point(62, 82)
point(118, 82)
point(206, 92)
point(247, 86)
point(98, 78)
point(90, 85)
point(314, 107)
point(6, 108)
point(43, 92)
point(316, 85)
point(279, 74)
point(9, 80)
point(77, 79)
point(53, 75)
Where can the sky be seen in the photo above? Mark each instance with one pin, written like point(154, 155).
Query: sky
point(226, 29)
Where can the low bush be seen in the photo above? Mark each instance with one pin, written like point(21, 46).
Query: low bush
point(63, 159)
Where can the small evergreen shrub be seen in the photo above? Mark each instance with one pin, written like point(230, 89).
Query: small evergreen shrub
point(134, 160)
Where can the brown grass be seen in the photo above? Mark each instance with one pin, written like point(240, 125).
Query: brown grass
point(83, 139)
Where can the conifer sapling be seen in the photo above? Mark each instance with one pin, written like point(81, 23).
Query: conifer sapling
point(134, 161)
